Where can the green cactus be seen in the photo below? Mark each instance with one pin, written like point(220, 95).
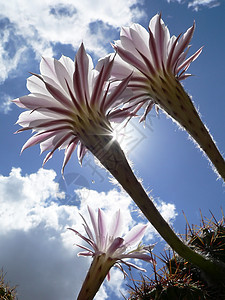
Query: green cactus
point(6, 292)
point(179, 279)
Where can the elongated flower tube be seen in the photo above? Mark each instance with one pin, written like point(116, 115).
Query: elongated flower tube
point(72, 104)
point(159, 62)
point(108, 249)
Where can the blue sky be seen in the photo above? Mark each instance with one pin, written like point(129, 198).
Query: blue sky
point(37, 251)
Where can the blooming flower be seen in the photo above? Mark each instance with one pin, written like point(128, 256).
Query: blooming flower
point(70, 105)
point(154, 55)
point(108, 249)
point(159, 62)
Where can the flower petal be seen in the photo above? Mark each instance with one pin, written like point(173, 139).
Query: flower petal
point(94, 223)
point(68, 152)
point(102, 232)
point(116, 244)
point(135, 235)
point(37, 138)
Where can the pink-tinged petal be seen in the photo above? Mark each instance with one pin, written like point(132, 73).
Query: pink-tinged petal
point(87, 229)
point(164, 37)
point(57, 129)
point(106, 63)
point(84, 254)
point(116, 244)
point(62, 75)
point(161, 36)
point(54, 124)
point(127, 43)
point(154, 50)
point(19, 103)
point(131, 59)
point(54, 112)
point(181, 59)
point(185, 76)
point(54, 83)
point(47, 68)
point(108, 276)
point(125, 31)
point(188, 61)
point(116, 93)
point(97, 90)
point(47, 144)
point(133, 266)
point(147, 110)
point(74, 100)
point(171, 48)
point(139, 37)
point(58, 95)
point(32, 102)
point(56, 146)
point(182, 44)
point(81, 151)
point(153, 22)
point(119, 116)
point(94, 223)
point(101, 228)
point(80, 79)
point(105, 66)
point(115, 227)
point(148, 63)
point(36, 139)
point(67, 63)
point(135, 234)
point(54, 74)
point(36, 85)
point(50, 143)
point(26, 118)
point(91, 252)
point(68, 152)
point(90, 242)
point(120, 68)
point(137, 255)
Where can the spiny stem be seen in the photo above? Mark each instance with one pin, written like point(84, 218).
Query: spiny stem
point(99, 269)
point(116, 163)
point(173, 99)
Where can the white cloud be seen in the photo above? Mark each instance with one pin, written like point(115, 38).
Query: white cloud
point(39, 25)
point(196, 4)
point(37, 250)
point(6, 104)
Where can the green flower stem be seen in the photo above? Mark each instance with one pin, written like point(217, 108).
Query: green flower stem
point(113, 159)
point(98, 271)
point(173, 99)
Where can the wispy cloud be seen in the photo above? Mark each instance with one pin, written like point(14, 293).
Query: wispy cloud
point(197, 4)
point(37, 250)
point(5, 103)
point(36, 27)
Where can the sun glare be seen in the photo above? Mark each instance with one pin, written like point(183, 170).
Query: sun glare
point(130, 136)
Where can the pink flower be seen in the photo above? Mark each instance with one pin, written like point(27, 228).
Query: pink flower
point(152, 56)
point(159, 62)
point(70, 105)
point(108, 249)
